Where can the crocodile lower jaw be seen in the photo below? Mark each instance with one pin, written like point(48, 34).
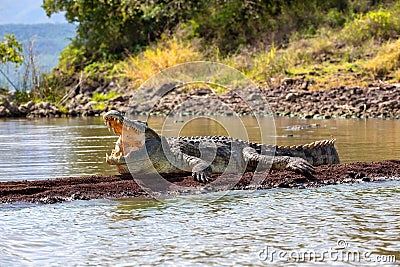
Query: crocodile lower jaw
point(113, 160)
point(124, 160)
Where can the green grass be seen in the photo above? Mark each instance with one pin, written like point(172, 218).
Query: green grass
point(364, 49)
point(100, 106)
point(62, 109)
point(351, 56)
point(100, 97)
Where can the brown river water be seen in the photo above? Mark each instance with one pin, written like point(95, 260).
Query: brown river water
point(63, 147)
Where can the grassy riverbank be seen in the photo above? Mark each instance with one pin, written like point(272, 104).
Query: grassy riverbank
point(355, 44)
point(365, 50)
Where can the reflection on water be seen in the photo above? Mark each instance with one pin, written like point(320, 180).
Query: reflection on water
point(50, 148)
point(191, 230)
point(357, 140)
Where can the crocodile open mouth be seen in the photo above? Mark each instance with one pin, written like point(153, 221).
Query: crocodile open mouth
point(131, 137)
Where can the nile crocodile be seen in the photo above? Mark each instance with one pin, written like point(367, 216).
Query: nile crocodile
point(140, 150)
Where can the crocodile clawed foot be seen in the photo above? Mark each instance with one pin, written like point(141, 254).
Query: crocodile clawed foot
point(301, 166)
point(200, 177)
point(201, 174)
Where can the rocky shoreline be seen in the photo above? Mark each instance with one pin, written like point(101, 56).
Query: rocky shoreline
point(123, 186)
point(290, 99)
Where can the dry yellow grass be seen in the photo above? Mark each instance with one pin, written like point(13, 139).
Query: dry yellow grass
point(325, 60)
point(166, 53)
point(386, 62)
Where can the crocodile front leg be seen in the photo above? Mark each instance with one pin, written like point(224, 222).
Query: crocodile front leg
point(200, 169)
point(295, 164)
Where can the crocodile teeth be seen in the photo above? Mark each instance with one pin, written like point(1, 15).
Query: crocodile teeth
point(128, 128)
point(107, 156)
point(114, 130)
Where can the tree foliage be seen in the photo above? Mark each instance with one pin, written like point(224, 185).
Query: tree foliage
point(108, 28)
point(10, 50)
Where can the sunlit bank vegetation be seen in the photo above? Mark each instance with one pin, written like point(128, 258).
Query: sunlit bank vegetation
point(329, 43)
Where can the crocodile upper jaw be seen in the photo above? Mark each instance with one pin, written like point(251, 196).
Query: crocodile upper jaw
point(131, 137)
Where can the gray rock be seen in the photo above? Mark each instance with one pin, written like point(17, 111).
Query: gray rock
point(30, 105)
point(13, 108)
point(291, 97)
point(4, 112)
point(117, 99)
point(23, 110)
point(89, 105)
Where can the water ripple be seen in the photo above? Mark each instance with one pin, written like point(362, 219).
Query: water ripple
point(193, 231)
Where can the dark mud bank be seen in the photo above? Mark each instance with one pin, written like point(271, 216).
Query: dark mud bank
point(123, 186)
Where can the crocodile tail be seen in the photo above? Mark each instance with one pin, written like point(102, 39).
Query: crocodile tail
point(316, 153)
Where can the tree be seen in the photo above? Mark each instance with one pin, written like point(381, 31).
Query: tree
point(107, 28)
point(10, 50)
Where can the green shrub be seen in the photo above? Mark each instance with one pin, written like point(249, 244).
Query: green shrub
point(335, 18)
point(50, 88)
point(72, 59)
point(380, 25)
point(99, 69)
point(22, 96)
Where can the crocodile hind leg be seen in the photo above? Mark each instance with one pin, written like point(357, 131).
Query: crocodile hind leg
point(262, 162)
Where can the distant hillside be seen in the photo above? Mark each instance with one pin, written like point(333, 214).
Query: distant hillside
point(26, 12)
point(48, 41)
